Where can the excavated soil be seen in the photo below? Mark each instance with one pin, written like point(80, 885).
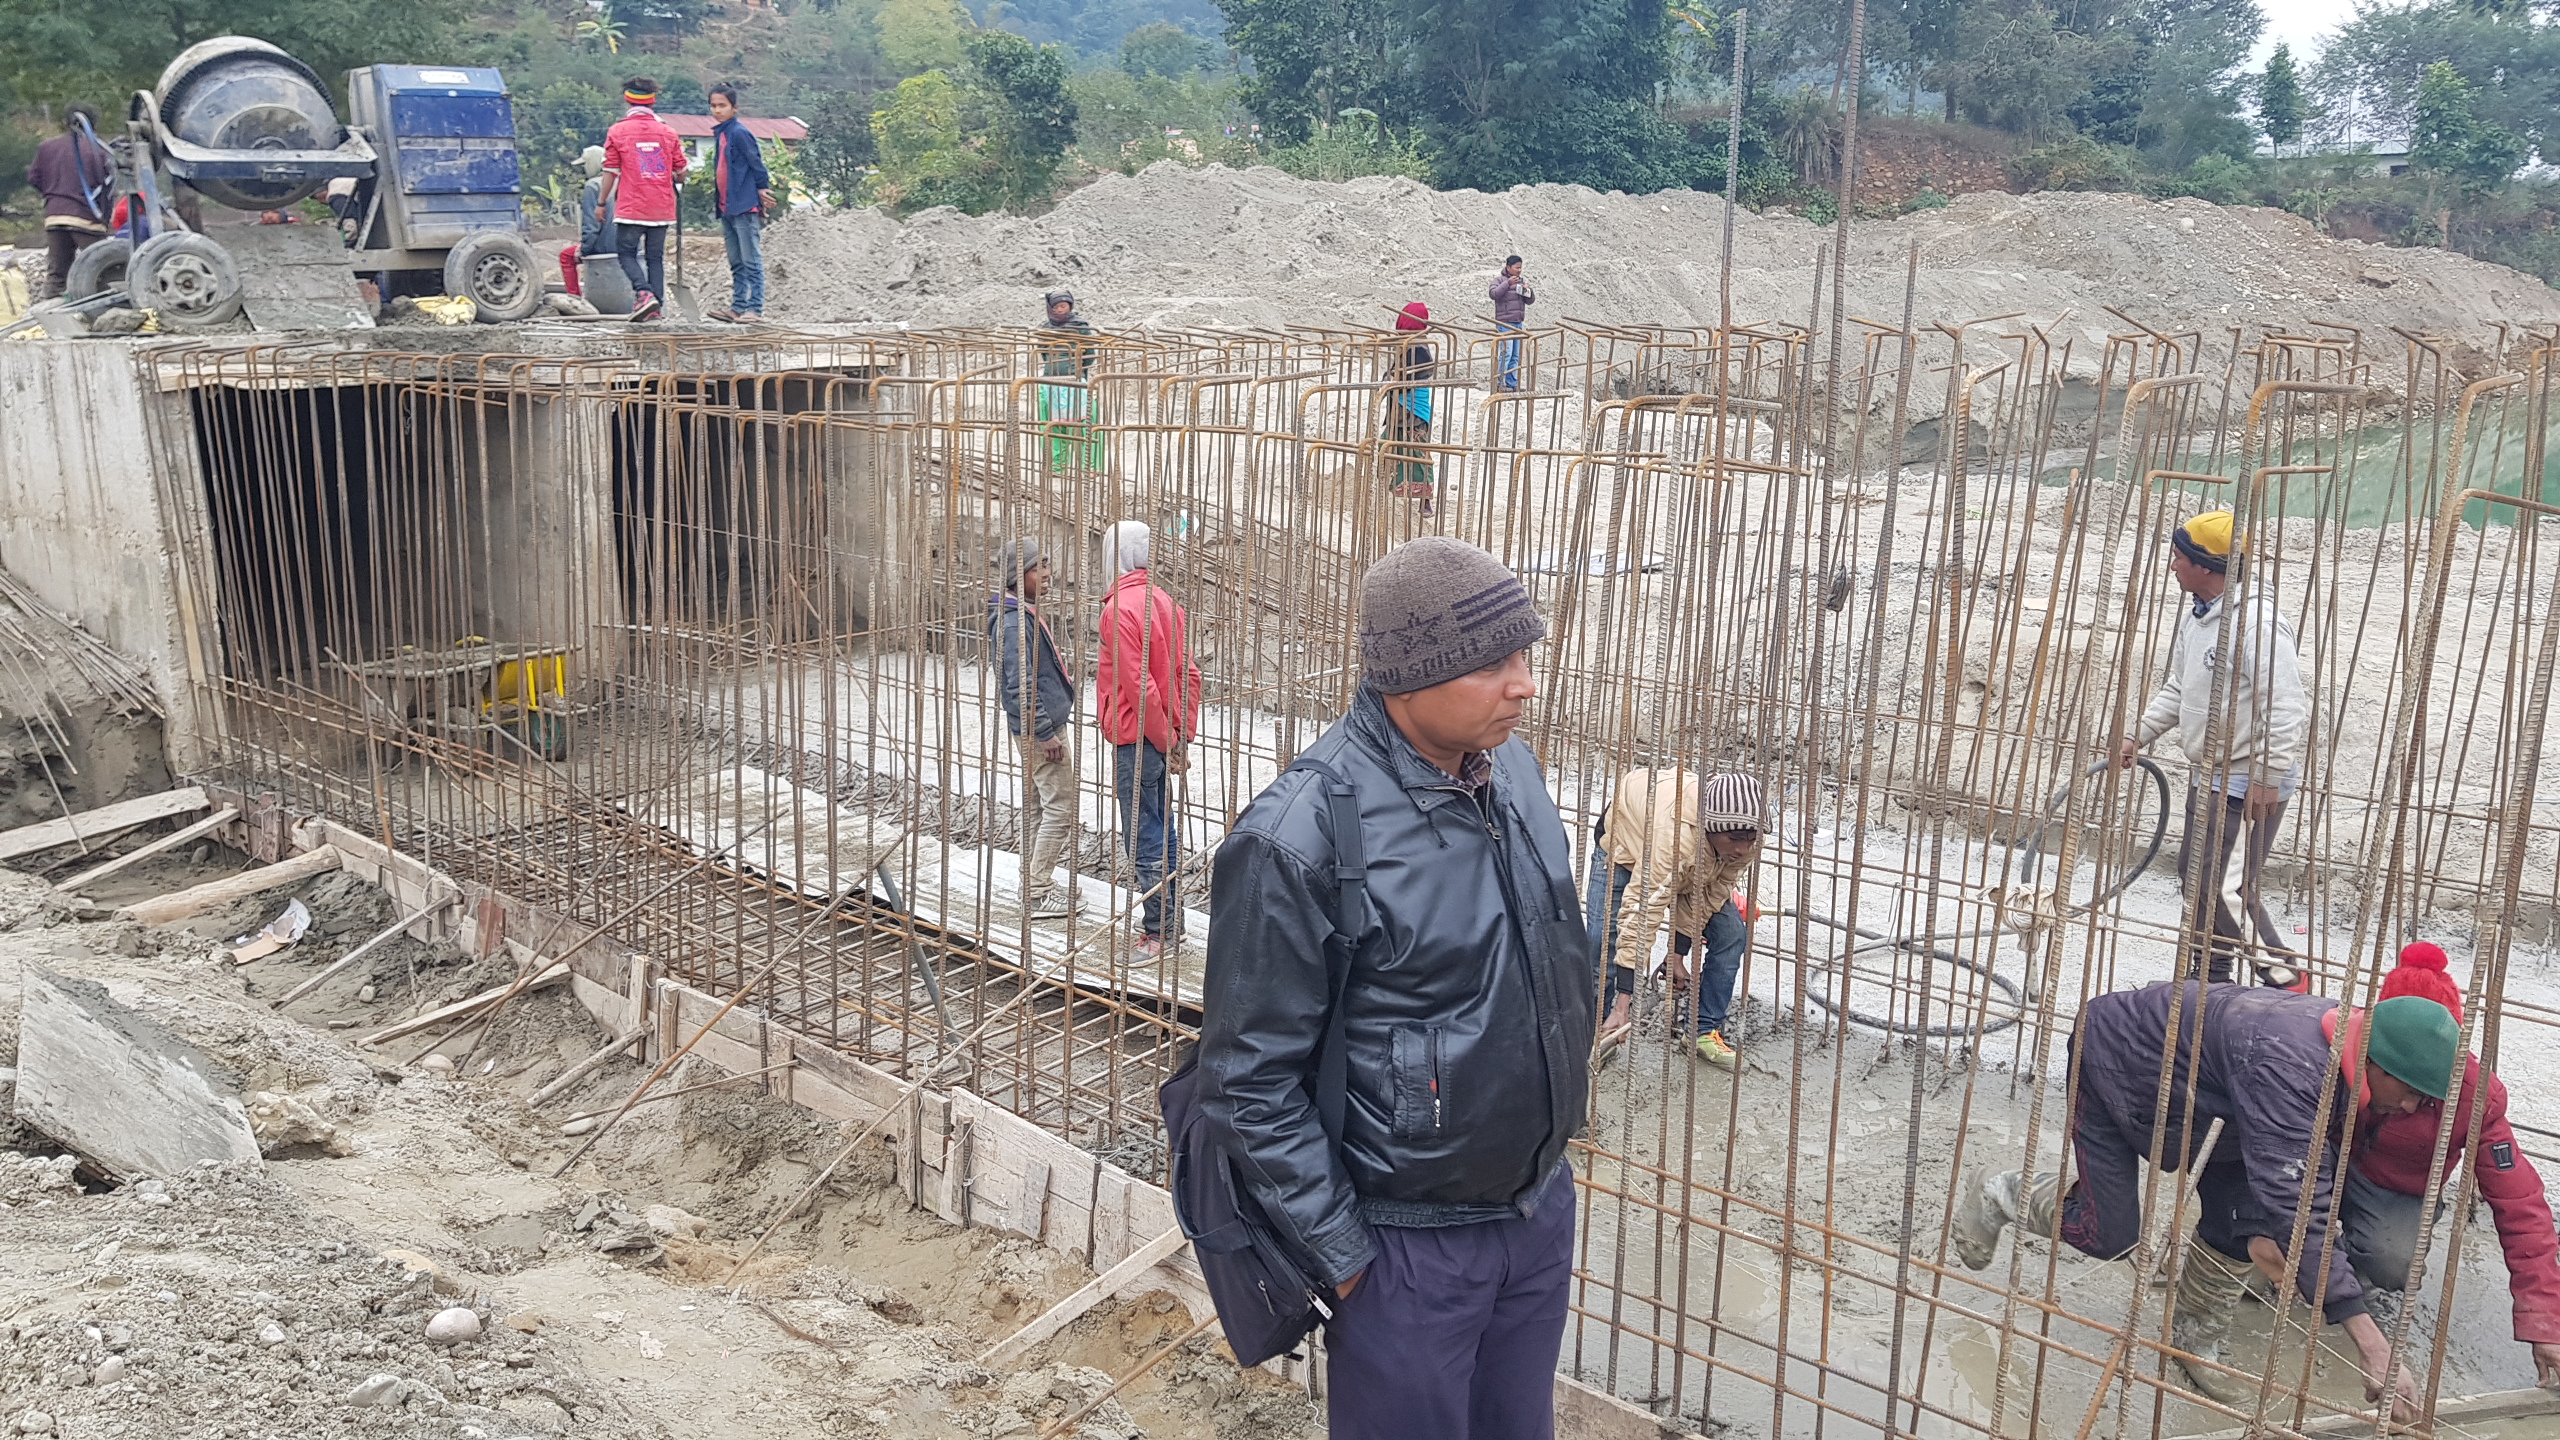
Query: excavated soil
point(292, 1298)
point(1177, 246)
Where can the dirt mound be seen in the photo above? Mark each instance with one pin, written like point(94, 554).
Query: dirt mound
point(1174, 246)
point(293, 1299)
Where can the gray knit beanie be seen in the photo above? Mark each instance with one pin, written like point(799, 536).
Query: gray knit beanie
point(1017, 560)
point(1434, 609)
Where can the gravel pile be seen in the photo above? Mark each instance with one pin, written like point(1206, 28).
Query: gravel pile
point(1175, 246)
point(218, 1304)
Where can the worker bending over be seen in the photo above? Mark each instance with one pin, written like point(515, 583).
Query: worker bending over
point(1671, 849)
point(2258, 1059)
point(2387, 1180)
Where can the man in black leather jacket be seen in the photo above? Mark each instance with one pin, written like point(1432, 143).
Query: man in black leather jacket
point(1443, 1217)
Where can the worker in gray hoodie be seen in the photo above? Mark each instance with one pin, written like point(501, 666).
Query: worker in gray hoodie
point(595, 220)
point(2244, 759)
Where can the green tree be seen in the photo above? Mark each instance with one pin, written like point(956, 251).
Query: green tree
point(924, 158)
point(1168, 51)
point(2368, 77)
point(2011, 64)
point(1019, 115)
point(2280, 99)
point(988, 138)
point(920, 35)
point(1489, 80)
point(1313, 59)
point(2449, 142)
point(52, 52)
point(561, 119)
point(840, 150)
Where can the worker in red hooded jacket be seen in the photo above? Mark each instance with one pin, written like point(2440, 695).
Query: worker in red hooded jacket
point(2387, 1184)
point(1149, 694)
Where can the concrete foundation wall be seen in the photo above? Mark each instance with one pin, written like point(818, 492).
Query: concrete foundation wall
point(80, 503)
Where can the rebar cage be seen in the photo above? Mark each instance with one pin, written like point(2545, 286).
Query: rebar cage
point(705, 619)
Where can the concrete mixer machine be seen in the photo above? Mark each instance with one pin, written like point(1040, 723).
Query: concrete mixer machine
point(436, 201)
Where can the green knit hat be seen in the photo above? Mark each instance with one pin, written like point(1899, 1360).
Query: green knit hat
point(2417, 1042)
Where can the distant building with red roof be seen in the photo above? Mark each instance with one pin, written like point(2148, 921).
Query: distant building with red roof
point(695, 131)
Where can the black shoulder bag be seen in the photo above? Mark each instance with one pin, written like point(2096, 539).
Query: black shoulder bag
point(1266, 1304)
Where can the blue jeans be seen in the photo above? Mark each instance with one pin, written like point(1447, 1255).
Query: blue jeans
point(629, 243)
point(1139, 776)
point(1506, 358)
point(744, 237)
point(1726, 937)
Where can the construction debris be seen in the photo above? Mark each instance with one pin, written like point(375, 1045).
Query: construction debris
point(215, 894)
point(118, 1088)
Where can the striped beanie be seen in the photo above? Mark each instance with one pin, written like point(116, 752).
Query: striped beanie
point(1433, 609)
point(1730, 802)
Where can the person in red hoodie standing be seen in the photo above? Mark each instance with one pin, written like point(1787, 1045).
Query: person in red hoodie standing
point(643, 160)
point(1149, 694)
point(2387, 1185)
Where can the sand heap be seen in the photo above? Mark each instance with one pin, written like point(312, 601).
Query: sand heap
point(1176, 246)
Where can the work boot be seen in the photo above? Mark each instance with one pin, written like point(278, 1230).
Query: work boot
point(1991, 1203)
point(2285, 977)
point(2209, 1286)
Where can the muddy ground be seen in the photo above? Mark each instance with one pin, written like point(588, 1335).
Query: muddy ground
point(292, 1299)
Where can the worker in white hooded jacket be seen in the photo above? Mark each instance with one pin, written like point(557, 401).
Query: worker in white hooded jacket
point(2236, 790)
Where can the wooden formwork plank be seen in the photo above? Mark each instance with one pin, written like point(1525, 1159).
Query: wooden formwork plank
point(104, 821)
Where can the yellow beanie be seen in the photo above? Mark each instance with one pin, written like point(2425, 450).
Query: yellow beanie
point(2206, 539)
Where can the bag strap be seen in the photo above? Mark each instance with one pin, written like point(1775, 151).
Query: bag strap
point(1351, 879)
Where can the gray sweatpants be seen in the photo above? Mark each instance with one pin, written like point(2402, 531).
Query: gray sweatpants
point(2219, 875)
point(2382, 1228)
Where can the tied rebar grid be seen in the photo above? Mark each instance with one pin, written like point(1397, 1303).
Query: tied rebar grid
point(745, 584)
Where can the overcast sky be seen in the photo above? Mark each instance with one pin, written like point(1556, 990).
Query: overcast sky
point(2301, 24)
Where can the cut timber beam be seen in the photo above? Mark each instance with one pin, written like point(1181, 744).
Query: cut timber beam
point(1009, 1351)
point(101, 822)
point(551, 974)
point(198, 830)
point(161, 910)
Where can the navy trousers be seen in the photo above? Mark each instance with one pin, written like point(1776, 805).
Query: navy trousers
point(1453, 1332)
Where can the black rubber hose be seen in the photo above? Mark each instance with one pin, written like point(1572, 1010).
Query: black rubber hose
point(2033, 857)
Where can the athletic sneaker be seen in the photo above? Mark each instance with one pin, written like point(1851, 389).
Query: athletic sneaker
point(1050, 904)
point(1713, 1049)
point(644, 306)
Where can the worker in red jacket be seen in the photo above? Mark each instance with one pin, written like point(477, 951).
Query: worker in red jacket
point(1149, 694)
point(2387, 1184)
point(643, 165)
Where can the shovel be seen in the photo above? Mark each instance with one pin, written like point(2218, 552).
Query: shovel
point(680, 294)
